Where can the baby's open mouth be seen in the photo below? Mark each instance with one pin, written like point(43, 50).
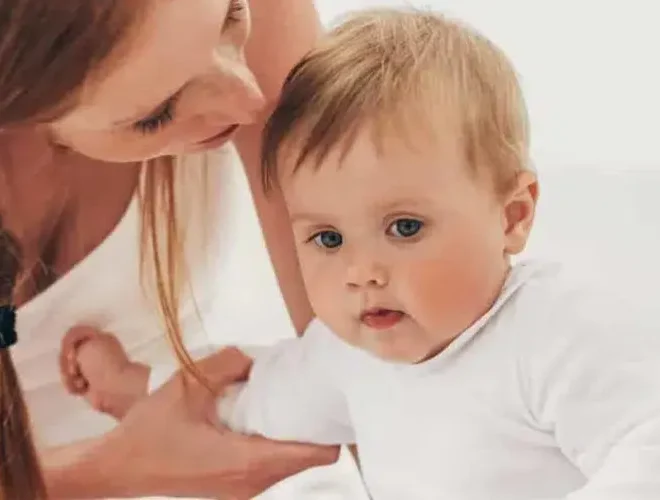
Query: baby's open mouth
point(381, 319)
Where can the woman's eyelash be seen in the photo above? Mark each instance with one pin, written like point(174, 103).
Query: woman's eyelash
point(158, 120)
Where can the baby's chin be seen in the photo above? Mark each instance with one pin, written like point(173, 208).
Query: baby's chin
point(400, 358)
point(408, 358)
point(397, 347)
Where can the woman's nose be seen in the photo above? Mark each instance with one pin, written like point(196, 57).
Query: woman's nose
point(246, 89)
point(236, 94)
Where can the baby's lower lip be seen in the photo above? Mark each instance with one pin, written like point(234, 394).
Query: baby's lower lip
point(381, 319)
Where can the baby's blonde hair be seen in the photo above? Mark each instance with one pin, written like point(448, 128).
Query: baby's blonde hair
point(417, 71)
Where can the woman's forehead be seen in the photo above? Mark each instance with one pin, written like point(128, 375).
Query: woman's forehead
point(172, 44)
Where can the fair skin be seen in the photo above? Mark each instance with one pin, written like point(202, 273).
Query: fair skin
point(89, 194)
point(414, 251)
point(73, 201)
point(96, 366)
point(169, 97)
point(202, 86)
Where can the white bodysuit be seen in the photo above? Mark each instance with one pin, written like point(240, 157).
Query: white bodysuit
point(553, 394)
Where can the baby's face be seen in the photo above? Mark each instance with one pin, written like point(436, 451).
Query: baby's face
point(401, 248)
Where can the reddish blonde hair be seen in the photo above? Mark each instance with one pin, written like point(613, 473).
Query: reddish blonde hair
point(408, 69)
point(48, 51)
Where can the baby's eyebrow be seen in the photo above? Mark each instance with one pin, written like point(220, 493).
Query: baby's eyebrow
point(297, 217)
point(401, 204)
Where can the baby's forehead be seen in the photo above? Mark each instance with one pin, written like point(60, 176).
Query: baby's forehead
point(376, 172)
point(385, 144)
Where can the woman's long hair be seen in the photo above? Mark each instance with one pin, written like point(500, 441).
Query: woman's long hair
point(20, 474)
point(48, 51)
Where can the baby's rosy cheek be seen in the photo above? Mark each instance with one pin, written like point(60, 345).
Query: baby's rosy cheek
point(441, 292)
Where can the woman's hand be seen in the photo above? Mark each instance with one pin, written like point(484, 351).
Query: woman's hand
point(169, 444)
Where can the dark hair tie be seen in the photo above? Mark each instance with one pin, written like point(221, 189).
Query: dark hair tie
point(8, 335)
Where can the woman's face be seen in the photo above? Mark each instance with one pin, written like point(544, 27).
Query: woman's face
point(181, 84)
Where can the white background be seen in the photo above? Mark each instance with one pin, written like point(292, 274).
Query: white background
point(590, 73)
point(589, 69)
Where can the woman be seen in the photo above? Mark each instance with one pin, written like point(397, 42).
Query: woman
point(88, 91)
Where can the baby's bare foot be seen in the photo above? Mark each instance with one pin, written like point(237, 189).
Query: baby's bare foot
point(70, 369)
point(95, 365)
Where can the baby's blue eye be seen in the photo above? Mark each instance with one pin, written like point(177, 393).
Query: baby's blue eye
point(405, 228)
point(328, 239)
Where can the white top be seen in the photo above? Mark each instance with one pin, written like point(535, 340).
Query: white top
point(234, 286)
point(553, 394)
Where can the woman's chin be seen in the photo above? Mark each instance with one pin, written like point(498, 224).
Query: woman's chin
point(216, 141)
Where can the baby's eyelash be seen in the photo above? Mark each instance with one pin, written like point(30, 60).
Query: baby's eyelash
point(158, 120)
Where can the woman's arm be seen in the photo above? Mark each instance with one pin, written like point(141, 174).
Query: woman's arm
point(76, 471)
point(282, 32)
point(136, 459)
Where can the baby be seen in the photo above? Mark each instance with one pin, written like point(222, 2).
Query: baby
point(401, 146)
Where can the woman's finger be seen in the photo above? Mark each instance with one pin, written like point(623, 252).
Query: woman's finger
point(225, 367)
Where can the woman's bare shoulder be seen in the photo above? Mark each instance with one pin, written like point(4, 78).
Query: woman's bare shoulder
point(283, 31)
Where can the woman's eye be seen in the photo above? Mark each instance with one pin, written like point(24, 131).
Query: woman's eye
point(328, 239)
point(157, 121)
point(405, 228)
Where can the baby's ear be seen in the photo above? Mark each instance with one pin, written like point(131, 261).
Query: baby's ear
point(519, 210)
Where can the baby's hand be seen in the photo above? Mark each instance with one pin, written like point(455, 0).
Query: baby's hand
point(95, 365)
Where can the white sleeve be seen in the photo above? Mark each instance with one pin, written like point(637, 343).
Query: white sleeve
point(597, 389)
point(293, 392)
